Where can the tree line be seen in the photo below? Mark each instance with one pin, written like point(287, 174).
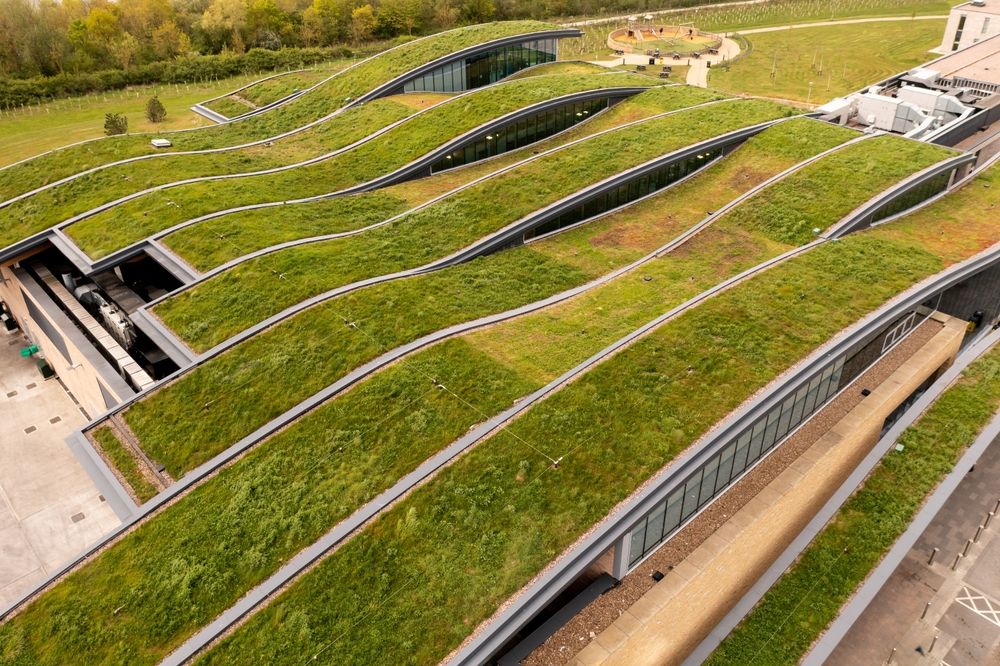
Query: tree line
point(51, 37)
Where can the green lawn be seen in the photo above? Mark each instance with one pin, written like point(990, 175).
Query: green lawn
point(222, 306)
point(51, 206)
point(490, 522)
point(325, 99)
point(124, 462)
point(231, 385)
point(271, 90)
point(593, 45)
point(213, 242)
point(365, 448)
point(809, 595)
point(562, 67)
point(293, 487)
point(836, 60)
point(129, 222)
point(35, 129)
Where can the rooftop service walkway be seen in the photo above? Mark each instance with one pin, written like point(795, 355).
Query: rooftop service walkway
point(671, 619)
point(964, 611)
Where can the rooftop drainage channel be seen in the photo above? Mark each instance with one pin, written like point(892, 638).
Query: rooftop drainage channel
point(379, 91)
point(534, 597)
point(859, 601)
point(193, 477)
point(560, 617)
point(208, 113)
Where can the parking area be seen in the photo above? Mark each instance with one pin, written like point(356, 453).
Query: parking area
point(50, 509)
point(951, 597)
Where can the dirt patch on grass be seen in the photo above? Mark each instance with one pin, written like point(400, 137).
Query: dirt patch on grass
point(636, 233)
point(746, 178)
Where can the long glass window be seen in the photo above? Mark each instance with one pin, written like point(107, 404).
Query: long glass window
point(627, 193)
point(759, 437)
point(485, 68)
point(521, 133)
point(915, 196)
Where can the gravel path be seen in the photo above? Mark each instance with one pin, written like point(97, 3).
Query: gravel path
point(562, 646)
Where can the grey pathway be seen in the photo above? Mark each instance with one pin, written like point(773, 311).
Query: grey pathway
point(964, 607)
point(49, 508)
point(823, 24)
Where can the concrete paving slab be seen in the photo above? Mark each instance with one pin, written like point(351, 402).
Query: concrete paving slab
point(965, 636)
point(50, 509)
point(17, 558)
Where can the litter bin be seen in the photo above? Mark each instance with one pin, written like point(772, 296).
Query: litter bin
point(45, 368)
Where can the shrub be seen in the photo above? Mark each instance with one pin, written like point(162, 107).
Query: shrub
point(115, 123)
point(155, 112)
point(18, 92)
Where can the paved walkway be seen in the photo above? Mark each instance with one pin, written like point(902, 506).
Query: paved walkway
point(669, 621)
point(50, 509)
point(821, 24)
point(698, 71)
point(964, 611)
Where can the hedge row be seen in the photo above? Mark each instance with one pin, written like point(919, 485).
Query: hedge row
point(18, 92)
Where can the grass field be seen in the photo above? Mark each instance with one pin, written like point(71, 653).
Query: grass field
point(565, 259)
point(213, 242)
point(140, 217)
point(207, 313)
point(326, 487)
point(315, 105)
point(563, 67)
point(291, 488)
point(273, 89)
point(35, 129)
point(491, 521)
point(593, 46)
point(835, 59)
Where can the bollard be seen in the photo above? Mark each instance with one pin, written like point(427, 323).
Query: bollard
point(996, 507)
point(965, 551)
point(933, 643)
point(930, 560)
point(989, 517)
point(927, 607)
point(979, 532)
point(891, 655)
point(954, 565)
